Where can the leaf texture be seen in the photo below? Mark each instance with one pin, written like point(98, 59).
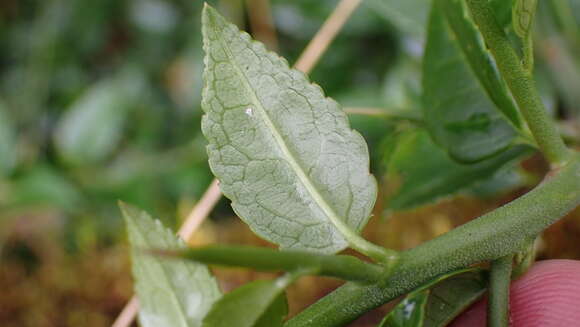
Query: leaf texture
point(172, 293)
point(285, 154)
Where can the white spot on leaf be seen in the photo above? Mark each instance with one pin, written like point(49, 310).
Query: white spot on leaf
point(408, 308)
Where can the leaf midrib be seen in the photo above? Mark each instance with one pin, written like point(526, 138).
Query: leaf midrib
point(165, 273)
point(344, 229)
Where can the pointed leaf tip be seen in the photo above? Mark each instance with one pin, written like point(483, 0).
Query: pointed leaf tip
point(210, 15)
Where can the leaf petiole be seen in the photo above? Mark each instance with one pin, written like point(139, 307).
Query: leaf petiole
point(499, 283)
point(265, 259)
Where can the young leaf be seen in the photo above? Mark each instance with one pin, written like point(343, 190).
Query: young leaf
point(285, 155)
point(438, 302)
point(260, 303)
point(466, 104)
point(171, 292)
point(414, 158)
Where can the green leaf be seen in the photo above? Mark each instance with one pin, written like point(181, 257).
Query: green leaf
point(260, 303)
point(438, 302)
point(172, 293)
point(408, 313)
point(451, 296)
point(285, 155)
point(422, 172)
point(504, 180)
point(91, 129)
point(466, 104)
point(275, 314)
point(8, 153)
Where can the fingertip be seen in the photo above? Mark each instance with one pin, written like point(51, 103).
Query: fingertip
point(548, 296)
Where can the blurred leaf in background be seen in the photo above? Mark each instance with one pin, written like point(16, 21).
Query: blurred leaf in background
point(8, 146)
point(91, 129)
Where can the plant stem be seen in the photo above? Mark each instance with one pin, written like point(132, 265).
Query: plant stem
point(494, 235)
point(520, 82)
point(499, 292)
point(384, 256)
point(264, 259)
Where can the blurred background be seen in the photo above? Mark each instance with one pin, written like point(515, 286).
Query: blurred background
point(99, 102)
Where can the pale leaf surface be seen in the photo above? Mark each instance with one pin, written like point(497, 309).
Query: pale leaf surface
point(171, 292)
point(283, 152)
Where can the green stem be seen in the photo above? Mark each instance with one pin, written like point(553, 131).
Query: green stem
point(384, 256)
point(499, 292)
point(494, 235)
point(264, 259)
point(520, 82)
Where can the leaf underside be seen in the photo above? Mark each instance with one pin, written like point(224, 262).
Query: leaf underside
point(171, 293)
point(283, 152)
